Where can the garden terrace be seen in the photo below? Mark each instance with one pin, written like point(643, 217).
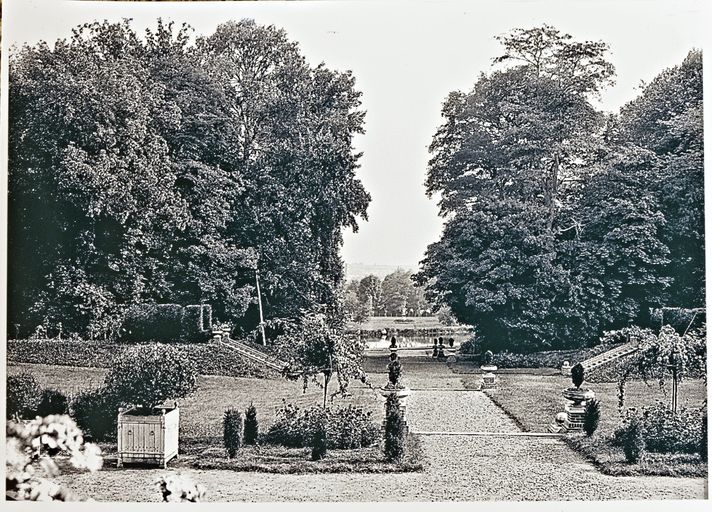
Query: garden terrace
point(211, 359)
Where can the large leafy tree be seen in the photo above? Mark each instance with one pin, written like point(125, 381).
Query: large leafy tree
point(173, 172)
point(666, 120)
point(562, 222)
point(506, 161)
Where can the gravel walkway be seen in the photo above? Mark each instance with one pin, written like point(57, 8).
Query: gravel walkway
point(458, 467)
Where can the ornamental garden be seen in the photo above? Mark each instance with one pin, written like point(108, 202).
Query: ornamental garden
point(181, 320)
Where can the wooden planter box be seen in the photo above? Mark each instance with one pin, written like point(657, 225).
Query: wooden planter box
point(147, 438)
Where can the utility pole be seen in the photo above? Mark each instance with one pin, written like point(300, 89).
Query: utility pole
point(259, 301)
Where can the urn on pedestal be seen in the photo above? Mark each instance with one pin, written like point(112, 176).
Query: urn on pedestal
point(489, 379)
point(395, 385)
point(571, 420)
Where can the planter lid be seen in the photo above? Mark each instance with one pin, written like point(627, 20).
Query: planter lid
point(488, 368)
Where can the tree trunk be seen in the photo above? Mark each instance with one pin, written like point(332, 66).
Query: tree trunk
point(327, 378)
point(553, 189)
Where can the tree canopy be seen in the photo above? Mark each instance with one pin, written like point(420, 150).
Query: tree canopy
point(558, 217)
point(170, 169)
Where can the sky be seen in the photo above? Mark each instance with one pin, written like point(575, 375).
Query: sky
point(406, 58)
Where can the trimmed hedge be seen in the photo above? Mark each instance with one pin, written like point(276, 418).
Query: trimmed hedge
point(545, 359)
point(166, 323)
point(211, 359)
point(678, 318)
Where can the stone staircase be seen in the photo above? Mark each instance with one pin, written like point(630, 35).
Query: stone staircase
point(609, 356)
point(253, 354)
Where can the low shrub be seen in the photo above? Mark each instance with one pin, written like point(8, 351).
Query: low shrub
point(591, 416)
point(251, 425)
point(52, 401)
point(662, 430)
point(348, 427)
point(23, 396)
point(233, 425)
point(96, 413)
point(666, 431)
point(395, 430)
point(148, 375)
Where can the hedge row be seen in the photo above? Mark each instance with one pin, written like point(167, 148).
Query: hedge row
point(210, 359)
point(548, 359)
point(167, 323)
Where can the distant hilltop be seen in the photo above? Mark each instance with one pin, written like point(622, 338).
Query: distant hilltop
point(361, 270)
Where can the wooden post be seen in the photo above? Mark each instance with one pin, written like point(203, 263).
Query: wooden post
point(259, 302)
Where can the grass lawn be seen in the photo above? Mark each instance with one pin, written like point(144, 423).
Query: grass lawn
point(202, 412)
point(533, 401)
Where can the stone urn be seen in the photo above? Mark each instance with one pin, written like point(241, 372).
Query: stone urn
point(566, 369)
point(489, 379)
point(576, 410)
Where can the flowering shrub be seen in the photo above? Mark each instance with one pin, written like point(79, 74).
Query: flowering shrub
point(660, 353)
point(148, 375)
point(662, 430)
point(179, 488)
point(30, 448)
point(348, 427)
point(666, 431)
point(23, 396)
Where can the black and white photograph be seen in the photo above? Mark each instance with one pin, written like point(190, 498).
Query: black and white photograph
point(355, 251)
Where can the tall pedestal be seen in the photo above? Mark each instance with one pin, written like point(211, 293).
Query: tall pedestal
point(489, 379)
point(571, 420)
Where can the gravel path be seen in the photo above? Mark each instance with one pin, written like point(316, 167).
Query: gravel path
point(457, 467)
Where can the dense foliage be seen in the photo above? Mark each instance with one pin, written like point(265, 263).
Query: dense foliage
point(347, 427)
point(312, 349)
point(148, 375)
point(166, 170)
point(23, 395)
point(52, 401)
point(96, 413)
point(395, 295)
point(591, 416)
point(32, 451)
point(560, 221)
point(233, 431)
point(663, 430)
point(251, 425)
point(395, 434)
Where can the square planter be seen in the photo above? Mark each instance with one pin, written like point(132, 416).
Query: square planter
point(149, 437)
